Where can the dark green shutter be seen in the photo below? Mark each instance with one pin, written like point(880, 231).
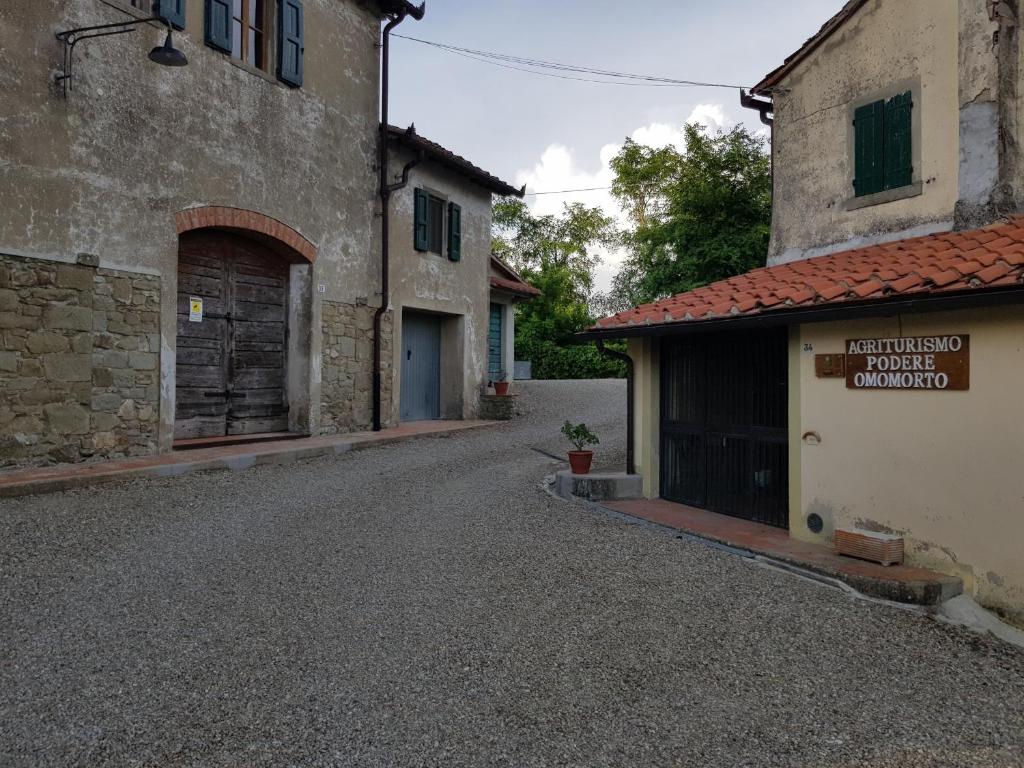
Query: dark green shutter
point(218, 24)
point(454, 232)
point(172, 10)
point(869, 143)
point(421, 224)
point(899, 161)
point(290, 44)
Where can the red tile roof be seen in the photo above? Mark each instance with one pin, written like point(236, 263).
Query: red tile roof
point(409, 138)
point(827, 29)
point(504, 278)
point(941, 264)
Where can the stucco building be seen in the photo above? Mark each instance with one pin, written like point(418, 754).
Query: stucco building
point(195, 252)
point(865, 377)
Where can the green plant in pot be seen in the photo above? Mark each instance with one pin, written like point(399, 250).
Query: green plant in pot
point(501, 383)
point(580, 437)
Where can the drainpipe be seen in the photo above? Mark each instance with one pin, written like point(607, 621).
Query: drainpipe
point(386, 188)
point(630, 463)
point(766, 109)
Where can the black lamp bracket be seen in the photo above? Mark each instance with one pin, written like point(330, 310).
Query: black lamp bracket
point(73, 37)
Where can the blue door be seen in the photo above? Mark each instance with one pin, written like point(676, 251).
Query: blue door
point(421, 367)
point(495, 364)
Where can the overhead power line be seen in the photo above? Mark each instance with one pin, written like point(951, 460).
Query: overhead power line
point(535, 67)
point(568, 191)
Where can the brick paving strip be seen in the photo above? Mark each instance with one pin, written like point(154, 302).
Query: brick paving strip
point(27, 482)
point(900, 583)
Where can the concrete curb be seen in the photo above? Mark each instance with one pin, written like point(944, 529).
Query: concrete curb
point(235, 459)
point(930, 593)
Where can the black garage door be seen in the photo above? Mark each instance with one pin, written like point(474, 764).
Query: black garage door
point(724, 424)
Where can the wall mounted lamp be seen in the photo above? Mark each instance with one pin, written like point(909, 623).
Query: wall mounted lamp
point(165, 55)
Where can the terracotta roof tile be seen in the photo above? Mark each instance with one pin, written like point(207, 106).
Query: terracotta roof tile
point(987, 258)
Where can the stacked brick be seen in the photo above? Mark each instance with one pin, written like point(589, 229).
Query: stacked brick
point(346, 388)
point(79, 362)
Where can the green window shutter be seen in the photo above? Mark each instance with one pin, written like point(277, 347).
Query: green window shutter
point(868, 124)
point(899, 161)
point(218, 24)
point(454, 232)
point(421, 224)
point(291, 46)
point(172, 10)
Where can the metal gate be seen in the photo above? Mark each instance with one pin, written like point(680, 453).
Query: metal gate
point(724, 416)
point(231, 354)
point(421, 367)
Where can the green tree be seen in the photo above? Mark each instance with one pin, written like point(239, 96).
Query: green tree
point(699, 216)
point(556, 254)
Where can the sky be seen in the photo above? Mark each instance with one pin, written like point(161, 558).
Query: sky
point(554, 134)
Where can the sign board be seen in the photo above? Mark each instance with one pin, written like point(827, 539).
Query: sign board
point(830, 366)
point(195, 309)
point(920, 362)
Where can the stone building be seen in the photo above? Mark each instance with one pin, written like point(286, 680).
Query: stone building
point(194, 252)
point(863, 378)
point(440, 279)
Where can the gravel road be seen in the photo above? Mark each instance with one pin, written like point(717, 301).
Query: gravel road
point(428, 604)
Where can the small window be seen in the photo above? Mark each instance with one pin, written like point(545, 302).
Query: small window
point(882, 145)
point(429, 225)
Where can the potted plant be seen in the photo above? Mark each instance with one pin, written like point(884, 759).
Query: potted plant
point(501, 383)
point(580, 437)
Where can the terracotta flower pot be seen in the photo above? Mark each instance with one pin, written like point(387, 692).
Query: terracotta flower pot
point(580, 461)
point(501, 388)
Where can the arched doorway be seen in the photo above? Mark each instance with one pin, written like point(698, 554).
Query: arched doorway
point(231, 370)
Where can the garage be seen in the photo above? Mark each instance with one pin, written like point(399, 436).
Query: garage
point(232, 334)
point(421, 367)
point(724, 437)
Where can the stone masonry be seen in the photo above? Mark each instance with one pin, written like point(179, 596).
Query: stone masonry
point(346, 390)
point(79, 362)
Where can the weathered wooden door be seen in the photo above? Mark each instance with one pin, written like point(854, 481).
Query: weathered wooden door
point(232, 357)
point(421, 367)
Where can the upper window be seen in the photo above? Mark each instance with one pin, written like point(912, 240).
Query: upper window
point(248, 32)
point(882, 145)
point(242, 28)
point(429, 225)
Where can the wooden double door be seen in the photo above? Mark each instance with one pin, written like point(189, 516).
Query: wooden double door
point(232, 357)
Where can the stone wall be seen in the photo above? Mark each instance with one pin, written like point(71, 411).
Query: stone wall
point(346, 389)
point(79, 352)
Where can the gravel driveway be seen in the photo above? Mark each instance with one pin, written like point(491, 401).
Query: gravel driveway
point(428, 604)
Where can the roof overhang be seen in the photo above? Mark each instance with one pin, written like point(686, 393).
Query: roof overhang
point(398, 7)
point(847, 310)
point(773, 78)
point(408, 138)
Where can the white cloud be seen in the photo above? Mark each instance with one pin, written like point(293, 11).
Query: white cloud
point(560, 169)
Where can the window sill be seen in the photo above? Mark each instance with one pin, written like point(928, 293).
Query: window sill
point(886, 196)
point(255, 71)
point(130, 10)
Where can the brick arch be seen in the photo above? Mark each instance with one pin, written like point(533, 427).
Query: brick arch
point(274, 233)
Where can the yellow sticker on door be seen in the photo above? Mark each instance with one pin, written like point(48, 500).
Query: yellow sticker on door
point(195, 309)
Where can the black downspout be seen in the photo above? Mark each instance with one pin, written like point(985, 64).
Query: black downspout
point(766, 109)
point(386, 188)
point(630, 463)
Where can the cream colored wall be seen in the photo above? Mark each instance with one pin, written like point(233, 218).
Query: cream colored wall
point(946, 469)
point(888, 47)
point(459, 291)
point(646, 413)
